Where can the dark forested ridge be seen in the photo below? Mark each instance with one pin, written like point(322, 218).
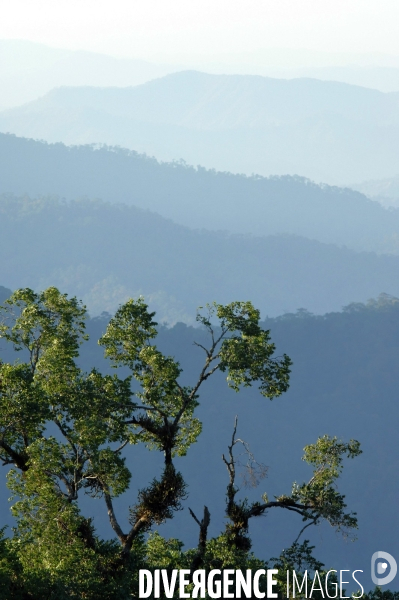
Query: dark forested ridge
point(199, 320)
point(345, 364)
point(344, 382)
point(325, 130)
point(105, 253)
point(199, 198)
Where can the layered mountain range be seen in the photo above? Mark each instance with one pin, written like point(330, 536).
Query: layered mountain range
point(327, 131)
point(199, 198)
point(315, 247)
point(106, 223)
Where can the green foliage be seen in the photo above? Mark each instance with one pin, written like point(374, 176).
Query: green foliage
point(299, 558)
point(320, 494)
point(49, 325)
point(128, 332)
point(11, 586)
point(169, 424)
point(158, 502)
point(169, 554)
point(164, 553)
point(54, 552)
point(246, 354)
point(220, 554)
point(379, 594)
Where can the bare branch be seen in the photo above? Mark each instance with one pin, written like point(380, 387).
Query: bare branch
point(211, 356)
point(203, 534)
point(313, 522)
point(203, 347)
point(112, 518)
point(121, 447)
point(259, 509)
point(131, 536)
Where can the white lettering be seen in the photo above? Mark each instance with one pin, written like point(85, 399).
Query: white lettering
point(243, 584)
point(341, 582)
point(145, 577)
point(169, 589)
point(353, 575)
point(227, 583)
point(304, 581)
point(257, 592)
point(271, 582)
point(214, 588)
point(317, 589)
point(199, 581)
point(183, 582)
point(333, 584)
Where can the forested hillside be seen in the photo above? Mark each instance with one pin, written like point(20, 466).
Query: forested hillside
point(198, 198)
point(327, 131)
point(105, 253)
point(199, 300)
point(107, 224)
point(344, 382)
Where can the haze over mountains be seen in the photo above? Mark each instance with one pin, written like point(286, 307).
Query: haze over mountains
point(107, 223)
point(29, 70)
point(197, 198)
point(384, 79)
point(327, 131)
point(371, 70)
point(385, 191)
point(105, 254)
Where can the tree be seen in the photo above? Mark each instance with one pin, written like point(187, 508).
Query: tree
point(64, 432)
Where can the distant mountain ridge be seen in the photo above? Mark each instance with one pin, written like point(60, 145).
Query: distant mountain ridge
point(385, 191)
point(106, 253)
point(198, 198)
point(205, 101)
point(382, 78)
point(323, 130)
point(29, 70)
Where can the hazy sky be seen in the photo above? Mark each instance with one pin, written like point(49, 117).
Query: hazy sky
point(151, 27)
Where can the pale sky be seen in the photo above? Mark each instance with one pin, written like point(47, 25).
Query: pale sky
point(149, 28)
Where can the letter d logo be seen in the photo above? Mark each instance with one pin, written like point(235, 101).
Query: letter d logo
point(382, 567)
